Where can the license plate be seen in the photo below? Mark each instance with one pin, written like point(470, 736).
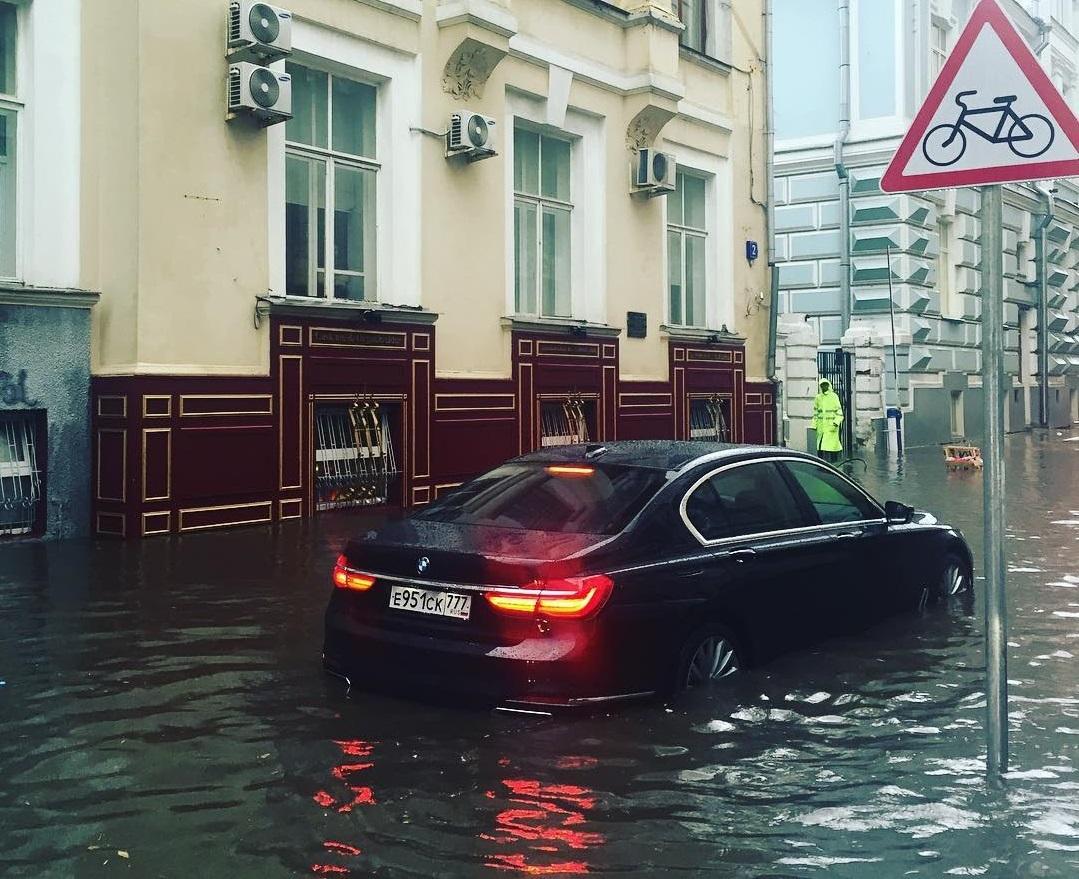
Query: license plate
point(439, 604)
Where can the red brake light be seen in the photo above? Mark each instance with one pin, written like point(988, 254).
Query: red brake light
point(570, 470)
point(569, 598)
point(345, 577)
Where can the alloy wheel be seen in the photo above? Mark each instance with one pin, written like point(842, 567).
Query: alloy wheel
point(713, 659)
point(953, 580)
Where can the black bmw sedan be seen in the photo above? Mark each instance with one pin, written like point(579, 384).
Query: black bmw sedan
point(586, 573)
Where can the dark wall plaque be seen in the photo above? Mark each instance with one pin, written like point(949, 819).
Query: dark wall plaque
point(636, 324)
point(357, 338)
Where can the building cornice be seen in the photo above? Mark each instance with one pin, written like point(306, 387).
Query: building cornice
point(47, 297)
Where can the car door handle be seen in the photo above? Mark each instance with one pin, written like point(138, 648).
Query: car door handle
point(849, 535)
point(743, 555)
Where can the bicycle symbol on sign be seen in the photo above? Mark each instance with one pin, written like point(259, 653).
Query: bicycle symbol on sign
point(1028, 136)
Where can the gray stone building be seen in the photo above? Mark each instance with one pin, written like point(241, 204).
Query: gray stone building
point(830, 155)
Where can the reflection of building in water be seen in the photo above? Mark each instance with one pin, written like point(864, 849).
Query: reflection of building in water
point(357, 794)
point(541, 828)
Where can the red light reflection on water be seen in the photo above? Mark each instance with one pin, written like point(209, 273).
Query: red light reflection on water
point(357, 795)
point(544, 822)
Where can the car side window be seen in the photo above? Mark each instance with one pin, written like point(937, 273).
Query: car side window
point(834, 499)
point(751, 499)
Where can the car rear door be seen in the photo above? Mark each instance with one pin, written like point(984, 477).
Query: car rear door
point(769, 554)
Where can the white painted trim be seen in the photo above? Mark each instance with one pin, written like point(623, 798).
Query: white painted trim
point(588, 220)
point(397, 201)
point(719, 250)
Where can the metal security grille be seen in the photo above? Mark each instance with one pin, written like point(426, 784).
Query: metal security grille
point(354, 458)
point(564, 422)
point(20, 477)
point(709, 419)
point(838, 367)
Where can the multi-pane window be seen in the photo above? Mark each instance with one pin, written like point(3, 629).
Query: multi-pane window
point(330, 180)
point(938, 49)
point(694, 16)
point(542, 209)
point(687, 239)
point(946, 267)
point(9, 120)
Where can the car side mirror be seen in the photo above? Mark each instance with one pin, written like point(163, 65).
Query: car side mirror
point(897, 513)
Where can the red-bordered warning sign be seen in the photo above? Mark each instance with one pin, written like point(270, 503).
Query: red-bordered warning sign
point(992, 116)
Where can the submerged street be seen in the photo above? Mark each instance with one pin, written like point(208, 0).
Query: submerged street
point(163, 712)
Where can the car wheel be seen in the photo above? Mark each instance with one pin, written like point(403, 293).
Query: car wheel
point(708, 655)
point(954, 578)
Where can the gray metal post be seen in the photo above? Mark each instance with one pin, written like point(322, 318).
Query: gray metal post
point(996, 662)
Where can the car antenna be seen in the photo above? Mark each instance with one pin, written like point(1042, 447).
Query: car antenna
point(594, 450)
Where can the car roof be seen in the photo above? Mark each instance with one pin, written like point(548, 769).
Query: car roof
point(656, 454)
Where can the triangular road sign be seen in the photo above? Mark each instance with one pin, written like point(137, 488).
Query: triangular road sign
point(992, 116)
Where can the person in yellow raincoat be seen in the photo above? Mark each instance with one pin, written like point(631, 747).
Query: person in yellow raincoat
point(827, 418)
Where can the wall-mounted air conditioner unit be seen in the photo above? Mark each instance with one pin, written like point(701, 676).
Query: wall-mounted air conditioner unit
point(259, 92)
point(258, 32)
point(653, 172)
point(471, 136)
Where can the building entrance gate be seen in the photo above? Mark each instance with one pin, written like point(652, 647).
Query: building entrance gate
point(838, 367)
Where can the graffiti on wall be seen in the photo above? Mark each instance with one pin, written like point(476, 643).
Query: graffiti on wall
point(13, 389)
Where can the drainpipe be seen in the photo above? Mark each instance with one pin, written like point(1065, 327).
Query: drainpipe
point(769, 218)
point(1041, 262)
point(840, 167)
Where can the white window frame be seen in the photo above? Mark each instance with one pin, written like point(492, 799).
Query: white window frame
point(946, 265)
point(541, 201)
point(877, 126)
point(938, 25)
point(48, 143)
point(333, 159)
point(683, 231)
point(719, 246)
point(588, 223)
point(398, 204)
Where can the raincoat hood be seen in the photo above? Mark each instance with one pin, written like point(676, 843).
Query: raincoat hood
point(825, 385)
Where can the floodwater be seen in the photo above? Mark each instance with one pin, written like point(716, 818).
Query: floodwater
point(163, 713)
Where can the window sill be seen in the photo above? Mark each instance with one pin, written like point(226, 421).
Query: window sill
point(15, 293)
point(700, 334)
point(562, 325)
point(344, 309)
point(704, 59)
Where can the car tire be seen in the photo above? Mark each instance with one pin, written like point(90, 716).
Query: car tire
point(708, 655)
point(954, 578)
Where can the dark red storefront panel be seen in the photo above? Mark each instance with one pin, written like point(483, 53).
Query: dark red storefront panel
point(156, 463)
point(290, 424)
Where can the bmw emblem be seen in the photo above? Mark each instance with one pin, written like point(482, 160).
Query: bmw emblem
point(423, 564)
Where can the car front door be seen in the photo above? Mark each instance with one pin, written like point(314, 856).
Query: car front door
point(772, 559)
point(865, 583)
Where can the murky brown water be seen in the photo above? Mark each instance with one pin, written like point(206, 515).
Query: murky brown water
point(163, 713)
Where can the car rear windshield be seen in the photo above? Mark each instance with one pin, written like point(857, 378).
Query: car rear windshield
point(567, 498)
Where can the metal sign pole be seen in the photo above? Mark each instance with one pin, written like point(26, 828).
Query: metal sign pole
point(996, 661)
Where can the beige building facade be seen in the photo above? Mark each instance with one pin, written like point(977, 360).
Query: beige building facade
point(329, 311)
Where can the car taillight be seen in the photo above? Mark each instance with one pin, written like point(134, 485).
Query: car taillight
point(569, 598)
point(345, 577)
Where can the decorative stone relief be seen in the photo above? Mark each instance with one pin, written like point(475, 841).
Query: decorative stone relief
point(468, 69)
point(645, 127)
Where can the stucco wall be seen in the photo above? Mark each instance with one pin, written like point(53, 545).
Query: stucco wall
point(179, 205)
point(52, 345)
